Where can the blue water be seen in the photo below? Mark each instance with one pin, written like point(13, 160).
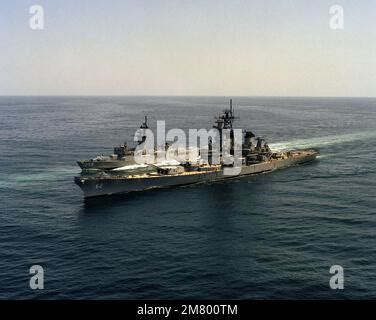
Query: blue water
point(270, 236)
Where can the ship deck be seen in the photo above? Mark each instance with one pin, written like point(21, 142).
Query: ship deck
point(294, 155)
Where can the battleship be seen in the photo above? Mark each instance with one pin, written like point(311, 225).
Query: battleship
point(256, 158)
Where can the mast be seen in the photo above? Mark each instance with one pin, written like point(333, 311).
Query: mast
point(143, 126)
point(224, 121)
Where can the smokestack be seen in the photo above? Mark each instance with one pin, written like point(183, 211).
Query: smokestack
point(231, 105)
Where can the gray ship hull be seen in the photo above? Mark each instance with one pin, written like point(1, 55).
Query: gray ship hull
point(100, 186)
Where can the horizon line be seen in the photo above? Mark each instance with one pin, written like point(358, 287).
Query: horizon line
point(182, 96)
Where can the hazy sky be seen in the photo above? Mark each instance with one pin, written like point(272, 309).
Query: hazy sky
point(203, 47)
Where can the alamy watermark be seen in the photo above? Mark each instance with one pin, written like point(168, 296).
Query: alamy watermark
point(36, 21)
point(337, 17)
point(37, 278)
point(337, 280)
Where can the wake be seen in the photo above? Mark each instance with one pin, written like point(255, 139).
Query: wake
point(323, 141)
point(53, 174)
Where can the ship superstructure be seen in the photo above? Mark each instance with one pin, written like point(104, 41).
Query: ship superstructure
point(122, 156)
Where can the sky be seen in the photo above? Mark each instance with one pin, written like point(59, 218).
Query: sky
point(188, 47)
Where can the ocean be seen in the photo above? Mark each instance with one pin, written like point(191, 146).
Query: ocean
point(271, 236)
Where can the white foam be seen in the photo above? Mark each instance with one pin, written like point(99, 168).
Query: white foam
point(323, 141)
point(35, 177)
point(131, 167)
